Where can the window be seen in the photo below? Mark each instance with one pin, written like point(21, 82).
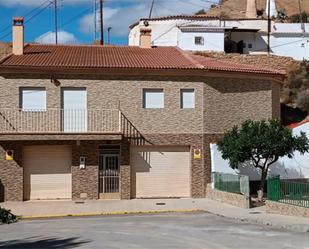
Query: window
point(153, 98)
point(199, 40)
point(33, 99)
point(250, 45)
point(187, 98)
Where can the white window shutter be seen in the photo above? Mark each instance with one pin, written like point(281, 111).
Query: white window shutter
point(33, 99)
point(154, 98)
point(187, 98)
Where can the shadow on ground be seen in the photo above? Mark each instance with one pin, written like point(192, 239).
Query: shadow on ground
point(38, 242)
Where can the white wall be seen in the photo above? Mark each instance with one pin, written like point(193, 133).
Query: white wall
point(287, 39)
point(298, 166)
point(258, 42)
point(296, 45)
point(213, 41)
point(218, 164)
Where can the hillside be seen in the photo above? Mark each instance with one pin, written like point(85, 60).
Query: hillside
point(5, 49)
point(237, 8)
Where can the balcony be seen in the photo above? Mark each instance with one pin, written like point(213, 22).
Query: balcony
point(60, 121)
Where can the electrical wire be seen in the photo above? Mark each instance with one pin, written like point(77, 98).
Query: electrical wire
point(28, 20)
point(26, 14)
point(72, 19)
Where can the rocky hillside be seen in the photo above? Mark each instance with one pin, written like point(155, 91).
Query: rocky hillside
point(5, 49)
point(237, 8)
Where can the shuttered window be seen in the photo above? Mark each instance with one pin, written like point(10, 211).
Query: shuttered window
point(33, 99)
point(187, 98)
point(153, 98)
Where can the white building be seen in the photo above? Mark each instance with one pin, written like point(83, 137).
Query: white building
point(248, 36)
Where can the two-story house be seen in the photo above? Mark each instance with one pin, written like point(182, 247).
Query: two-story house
point(126, 122)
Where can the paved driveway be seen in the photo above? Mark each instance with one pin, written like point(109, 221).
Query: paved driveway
point(164, 231)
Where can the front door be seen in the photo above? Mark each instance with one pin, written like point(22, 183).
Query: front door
point(74, 116)
point(109, 176)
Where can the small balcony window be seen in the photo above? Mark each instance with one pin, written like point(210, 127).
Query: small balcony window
point(187, 99)
point(33, 99)
point(153, 98)
point(199, 40)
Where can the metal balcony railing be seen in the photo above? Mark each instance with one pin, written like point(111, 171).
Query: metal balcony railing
point(60, 121)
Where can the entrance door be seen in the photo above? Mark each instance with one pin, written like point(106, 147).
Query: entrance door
point(109, 176)
point(74, 103)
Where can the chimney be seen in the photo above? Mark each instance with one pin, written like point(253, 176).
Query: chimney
point(145, 38)
point(18, 35)
point(251, 9)
point(273, 9)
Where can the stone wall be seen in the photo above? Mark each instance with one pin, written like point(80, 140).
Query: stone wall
point(286, 209)
point(5, 49)
point(237, 200)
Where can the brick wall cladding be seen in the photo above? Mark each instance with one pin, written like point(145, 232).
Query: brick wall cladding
point(125, 171)
point(220, 104)
point(11, 173)
point(224, 102)
point(85, 181)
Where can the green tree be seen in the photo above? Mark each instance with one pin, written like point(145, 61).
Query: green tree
point(261, 143)
point(200, 12)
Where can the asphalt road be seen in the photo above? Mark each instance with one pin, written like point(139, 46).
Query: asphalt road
point(164, 231)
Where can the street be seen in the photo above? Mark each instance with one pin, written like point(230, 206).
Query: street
point(181, 231)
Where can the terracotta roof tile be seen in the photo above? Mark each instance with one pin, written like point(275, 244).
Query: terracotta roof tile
point(98, 57)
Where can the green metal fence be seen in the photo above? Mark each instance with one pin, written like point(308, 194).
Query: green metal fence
point(289, 192)
point(231, 183)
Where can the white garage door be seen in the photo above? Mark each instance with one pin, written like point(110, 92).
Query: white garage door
point(160, 171)
point(47, 172)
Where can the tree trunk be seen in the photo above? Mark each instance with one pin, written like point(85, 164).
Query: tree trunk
point(262, 183)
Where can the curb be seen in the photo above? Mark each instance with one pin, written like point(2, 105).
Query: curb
point(27, 217)
point(276, 225)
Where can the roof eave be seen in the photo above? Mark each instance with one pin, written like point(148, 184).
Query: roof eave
point(135, 72)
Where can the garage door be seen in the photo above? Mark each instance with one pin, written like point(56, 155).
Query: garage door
point(160, 171)
point(47, 172)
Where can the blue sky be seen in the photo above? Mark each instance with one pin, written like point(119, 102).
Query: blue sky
point(76, 17)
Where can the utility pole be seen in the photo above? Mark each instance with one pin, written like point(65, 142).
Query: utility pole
point(269, 28)
point(101, 23)
point(109, 35)
point(95, 19)
point(301, 17)
point(151, 9)
point(56, 20)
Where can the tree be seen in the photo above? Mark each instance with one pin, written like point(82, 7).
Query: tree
point(200, 12)
point(261, 143)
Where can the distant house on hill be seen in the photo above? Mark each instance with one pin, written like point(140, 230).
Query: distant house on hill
point(248, 35)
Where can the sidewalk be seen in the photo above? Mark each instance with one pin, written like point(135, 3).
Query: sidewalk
point(35, 209)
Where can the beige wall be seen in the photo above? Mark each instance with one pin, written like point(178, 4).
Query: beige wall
point(224, 102)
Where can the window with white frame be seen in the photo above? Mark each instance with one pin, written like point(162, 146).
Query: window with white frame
point(187, 98)
point(199, 40)
point(33, 99)
point(153, 98)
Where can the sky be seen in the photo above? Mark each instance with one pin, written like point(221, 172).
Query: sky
point(76, 17)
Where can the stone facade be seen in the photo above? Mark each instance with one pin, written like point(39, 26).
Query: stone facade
point(237, 200)
point(220, 103)
point(286, 209)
